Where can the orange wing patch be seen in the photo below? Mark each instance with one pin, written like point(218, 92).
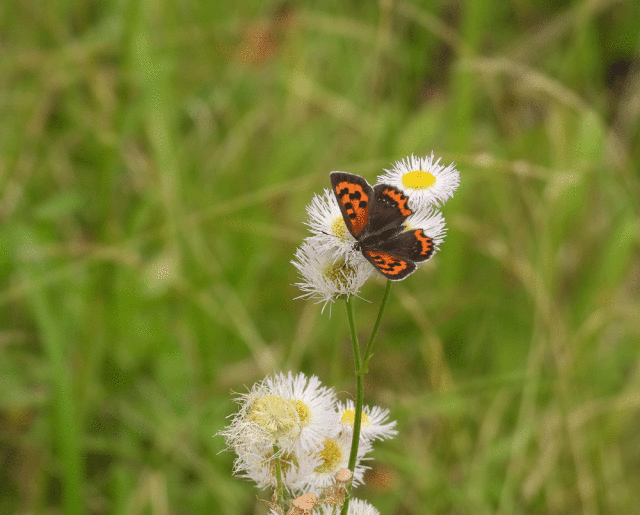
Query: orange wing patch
point(355, 202)
point(426, 244)
point(400, 199)
point(392, 267)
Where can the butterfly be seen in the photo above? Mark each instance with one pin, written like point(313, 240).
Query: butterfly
point(375, 217)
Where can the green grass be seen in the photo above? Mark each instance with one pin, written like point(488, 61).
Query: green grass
point(155, 163)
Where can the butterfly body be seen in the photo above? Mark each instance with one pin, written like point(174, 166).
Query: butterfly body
point(375, 218)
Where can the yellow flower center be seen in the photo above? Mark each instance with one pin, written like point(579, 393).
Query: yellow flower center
point(338, 273)
point(331, 456)
point(339, 229)
point(349, 416)
point(304, 413)
point(276, 415)
point(418, 180)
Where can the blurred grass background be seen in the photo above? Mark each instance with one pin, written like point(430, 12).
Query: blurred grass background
point(156, 159)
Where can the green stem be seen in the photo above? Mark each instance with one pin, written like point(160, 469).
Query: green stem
point(361, 370)
point(359, 387)
point(357, 421)
point(279, 484)
point(374, 333)
point(354, 334)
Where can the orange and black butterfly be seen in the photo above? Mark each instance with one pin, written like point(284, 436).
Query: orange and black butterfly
point(375, 217)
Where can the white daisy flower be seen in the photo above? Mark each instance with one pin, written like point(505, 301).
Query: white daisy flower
point(431, 222)
point(327, 223)
point(422, 180)
point(265, 419)
point(374, 425)
point(334, 455)
point(356, 507)
point(314, 404)
point(284, 419)
point(325, 275)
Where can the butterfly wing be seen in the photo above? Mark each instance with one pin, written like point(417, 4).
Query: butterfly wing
point(389, 209)
point(354, 195)
point(392, 267)
point(414, 245)
point(374, 216)
point(395, 257)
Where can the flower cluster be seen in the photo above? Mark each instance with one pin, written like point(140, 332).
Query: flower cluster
point(327, 262)
point(290, 431)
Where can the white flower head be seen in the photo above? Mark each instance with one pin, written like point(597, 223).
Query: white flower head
point(325, 275)
point(327, 223)
point(285, 419)
point(334, 456)
point(424, 181)
point(373, 426)
point(265, 419)
point(431, 222)
point(356, 507)
point(313, 403)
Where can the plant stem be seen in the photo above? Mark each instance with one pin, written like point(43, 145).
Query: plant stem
point(361, 370)
point(354, 334)
point(279, 485)
point(376, 326)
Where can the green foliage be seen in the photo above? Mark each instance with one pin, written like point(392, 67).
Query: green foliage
point(155, 162)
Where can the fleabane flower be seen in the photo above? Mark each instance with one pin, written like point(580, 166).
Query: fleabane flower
point(356, 507)
point(373, 426)
point(283, 419)
point(431, 222)
point(314, 405)
point(325, 275)
point(265, 419)
point(424, 181)
point(334, 456)
point(327, 224)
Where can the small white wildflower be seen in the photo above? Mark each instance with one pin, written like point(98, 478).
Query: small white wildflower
point(356, 507)
point(265, 419)
point(325, 275)
point(314, 404)
point(334, 455)
point(327, 223)
point(285, 420)
point(423, 181)
point(374, 425)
